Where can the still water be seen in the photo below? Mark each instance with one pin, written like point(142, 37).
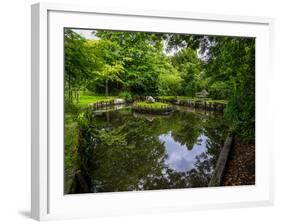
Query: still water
point(117, 149)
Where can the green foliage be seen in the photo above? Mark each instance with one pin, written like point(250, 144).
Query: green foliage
point(80, 60)
point(232, 65)
point(155, 105)
point(126, 95)
point(169, 84)
point(70, 146)
point(189, 67)
point(137, 63)
point(82, 120)
point(85, 100)
point(141, 56)
point(112, 68)
point(70, 108)
point(219, 90)
point(227, 72)
point(240, 113)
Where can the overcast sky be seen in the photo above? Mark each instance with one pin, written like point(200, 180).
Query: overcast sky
point(85, 33)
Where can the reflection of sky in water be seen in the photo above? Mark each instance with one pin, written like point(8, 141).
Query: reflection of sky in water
point(179, 158)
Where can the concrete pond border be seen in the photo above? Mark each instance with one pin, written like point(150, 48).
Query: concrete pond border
point(221, 162)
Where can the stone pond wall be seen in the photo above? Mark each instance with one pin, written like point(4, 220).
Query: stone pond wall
point(200, 104)
point(150, 110)
point(216, 179)
point(107, 103)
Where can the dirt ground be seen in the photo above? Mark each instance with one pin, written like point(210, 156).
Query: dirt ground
point(240, 168)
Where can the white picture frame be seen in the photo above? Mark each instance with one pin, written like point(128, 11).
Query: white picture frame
point(48, 201)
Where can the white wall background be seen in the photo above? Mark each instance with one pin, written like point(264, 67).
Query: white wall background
point(15, 110)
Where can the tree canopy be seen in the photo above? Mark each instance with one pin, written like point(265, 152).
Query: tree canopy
point(142, 64)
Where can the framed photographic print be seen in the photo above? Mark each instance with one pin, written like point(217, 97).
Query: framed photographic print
point(148, 111)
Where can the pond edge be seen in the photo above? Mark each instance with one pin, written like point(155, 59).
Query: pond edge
point(221, 163)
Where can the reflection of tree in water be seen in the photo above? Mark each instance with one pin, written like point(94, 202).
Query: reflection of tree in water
point(170, 179)
point(189, 130)
point(115, 155)
point(119, 152)
point(213, 128)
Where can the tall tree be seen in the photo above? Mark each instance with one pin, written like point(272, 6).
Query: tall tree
point(80, 62)
point(189, 66)
point(141, 55)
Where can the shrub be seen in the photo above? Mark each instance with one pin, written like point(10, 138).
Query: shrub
point(219, 90)
point(240, 114)
point(126, 95)
point(169, 85)
point(69, 107)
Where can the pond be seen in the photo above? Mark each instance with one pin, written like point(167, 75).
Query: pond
point(117, 149)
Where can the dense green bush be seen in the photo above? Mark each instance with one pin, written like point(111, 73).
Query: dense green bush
point(219, 90)
point(240, 114)
point(70, 107)
point(126, 95)
point(169, 85)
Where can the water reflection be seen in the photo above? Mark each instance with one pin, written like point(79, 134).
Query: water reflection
point(179, 158)
point(119, 150)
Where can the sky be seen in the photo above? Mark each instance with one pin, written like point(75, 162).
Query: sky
point(88, 34)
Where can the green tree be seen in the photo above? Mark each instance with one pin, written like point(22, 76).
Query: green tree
point(228, 72)
point(112, 63)
point(231, 67)
point(190, 69)
point(141, 55)
point(169, 84)
point(80, 62)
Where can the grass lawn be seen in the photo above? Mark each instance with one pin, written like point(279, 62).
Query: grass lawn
point(156, 105)
point(85, 100)
point(217, 101)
